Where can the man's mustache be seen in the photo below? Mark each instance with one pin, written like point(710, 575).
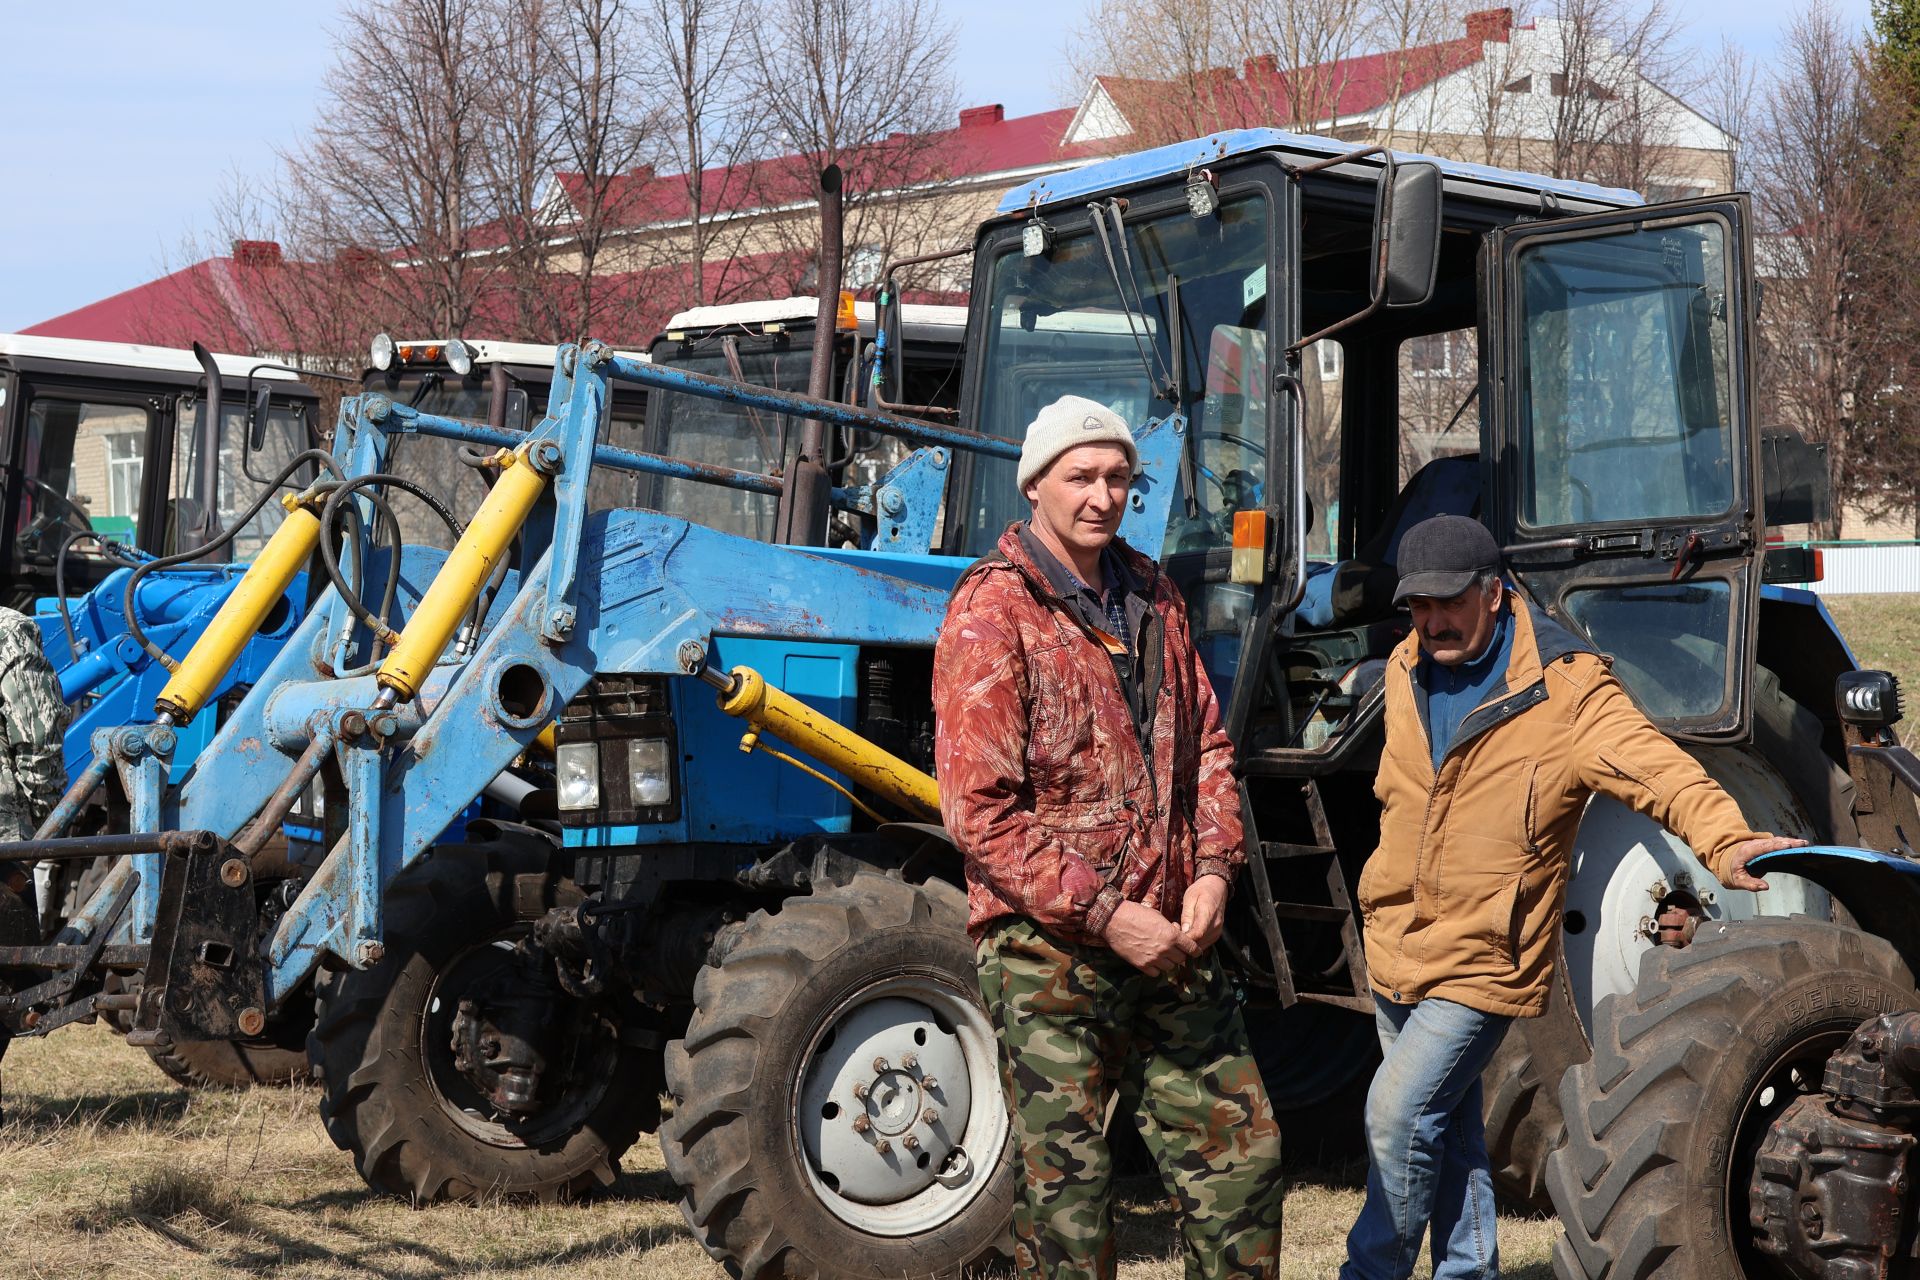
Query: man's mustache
point(1438, 636)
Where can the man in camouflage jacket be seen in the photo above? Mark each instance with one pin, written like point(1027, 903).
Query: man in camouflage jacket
point(1084, 774)
point(33, 769)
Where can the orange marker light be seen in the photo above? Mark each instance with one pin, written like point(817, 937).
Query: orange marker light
point(1249, 547)
point(844, 317)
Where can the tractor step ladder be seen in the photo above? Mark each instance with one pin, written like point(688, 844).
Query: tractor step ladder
point(1336, 910)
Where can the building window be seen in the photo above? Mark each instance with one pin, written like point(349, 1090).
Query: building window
point(1431, 356)
point(1329, 352)
point(126, 451)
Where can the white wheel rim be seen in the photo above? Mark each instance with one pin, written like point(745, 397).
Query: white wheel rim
point(925, 1151)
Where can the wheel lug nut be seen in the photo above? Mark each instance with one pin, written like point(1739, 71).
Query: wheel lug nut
point(929, 1082)
point(860, 1092)
point(879, 1065)
point(861, 1124)
point(883, 1146)
point(911, 1061)
point(912, 1143)
point(930, 1117)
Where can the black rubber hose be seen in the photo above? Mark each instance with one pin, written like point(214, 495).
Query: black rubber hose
point(389, 524)
point(107, 551)
point(329, 517)
point(321, 459)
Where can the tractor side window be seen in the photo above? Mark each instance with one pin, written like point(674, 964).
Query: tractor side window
point(1668, 642)
point(1625, 406)
point(1322, 380)
point(1438, 372)
point(82, 469)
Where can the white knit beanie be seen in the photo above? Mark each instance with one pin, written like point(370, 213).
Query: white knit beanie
point(1066, 423)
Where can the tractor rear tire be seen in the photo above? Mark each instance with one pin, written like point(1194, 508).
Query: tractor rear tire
point(1523, 1122)
point(1688, 1071)
point(381, 1047)
point(777, 1180)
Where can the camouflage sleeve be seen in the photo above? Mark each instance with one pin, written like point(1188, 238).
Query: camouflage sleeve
point(1221, 839)
point(982, 705)
point(32, 719)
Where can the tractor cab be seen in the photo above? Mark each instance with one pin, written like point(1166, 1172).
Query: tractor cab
point(770, 344)
point(499, 385)
point(111, 447)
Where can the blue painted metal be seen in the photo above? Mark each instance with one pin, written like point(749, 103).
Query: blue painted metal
point(1806, 860)
point(1802, 598)
point(1102, 176)
point(667, 377)
point(905, 504)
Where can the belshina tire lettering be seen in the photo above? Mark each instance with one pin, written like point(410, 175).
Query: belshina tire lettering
point(762, 1086)
point(1688, 1070)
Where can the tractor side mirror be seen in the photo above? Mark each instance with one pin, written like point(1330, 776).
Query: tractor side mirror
point(1406, 221)
point(257, 419)
point(890, 344)
point(1795, 475)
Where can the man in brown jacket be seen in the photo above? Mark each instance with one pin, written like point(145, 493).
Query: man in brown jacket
point(1084, 774)
point(1500, 725)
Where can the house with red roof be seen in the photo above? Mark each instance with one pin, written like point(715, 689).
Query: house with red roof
point(1498, 94)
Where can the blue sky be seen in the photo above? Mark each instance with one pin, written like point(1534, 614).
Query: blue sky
point(127, 120)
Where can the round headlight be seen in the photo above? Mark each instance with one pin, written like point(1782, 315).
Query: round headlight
point(459, 358)
point(382, 351)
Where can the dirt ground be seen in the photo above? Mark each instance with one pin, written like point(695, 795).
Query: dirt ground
point(108, 1169)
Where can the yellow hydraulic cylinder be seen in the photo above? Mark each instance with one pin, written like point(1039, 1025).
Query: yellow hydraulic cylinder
point(261, 587)
point(460, 581)
point(773, 711)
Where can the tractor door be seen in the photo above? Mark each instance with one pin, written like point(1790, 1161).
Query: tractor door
point(1621, 460)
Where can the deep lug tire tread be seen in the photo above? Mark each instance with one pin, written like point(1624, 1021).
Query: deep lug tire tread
point(375, 1100)
point(717, 1144)
point(1650, 1119)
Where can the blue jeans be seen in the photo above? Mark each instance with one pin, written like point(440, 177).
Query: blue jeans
point(1427, 1151)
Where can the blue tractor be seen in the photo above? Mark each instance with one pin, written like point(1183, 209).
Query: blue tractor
point(729, 885)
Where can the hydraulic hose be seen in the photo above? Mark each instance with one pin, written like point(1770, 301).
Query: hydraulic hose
point(329, 518)
point(322, 461)
point(108, 550)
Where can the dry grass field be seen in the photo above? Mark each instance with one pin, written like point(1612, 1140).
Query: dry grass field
point(107, 1169)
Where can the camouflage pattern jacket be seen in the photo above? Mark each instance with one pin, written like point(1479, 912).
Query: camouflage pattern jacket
point(1043, 782)
point(33, 769)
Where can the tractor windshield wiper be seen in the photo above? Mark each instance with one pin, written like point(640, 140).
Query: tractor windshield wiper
point(1157, 378)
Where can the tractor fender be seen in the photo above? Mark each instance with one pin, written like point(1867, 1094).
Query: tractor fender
point(1881, 891)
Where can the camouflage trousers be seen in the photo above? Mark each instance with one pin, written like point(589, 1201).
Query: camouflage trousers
point(1078, 1024)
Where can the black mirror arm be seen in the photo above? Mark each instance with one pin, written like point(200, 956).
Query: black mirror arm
point(897, 341)
point(1381, 232)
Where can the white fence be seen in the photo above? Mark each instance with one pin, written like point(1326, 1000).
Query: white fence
point(1868, 568)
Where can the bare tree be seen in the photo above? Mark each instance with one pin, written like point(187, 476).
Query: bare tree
point(1729, 91)
point(1613, 115)
point(1823, 357)
point(864, 84)
point(698, 50)
point(392, 165)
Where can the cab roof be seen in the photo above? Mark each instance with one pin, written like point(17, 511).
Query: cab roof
point(129, 359)
point(1507, 186)
point(922, 320)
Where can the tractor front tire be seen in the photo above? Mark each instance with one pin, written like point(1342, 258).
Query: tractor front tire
point(819, 1047)
point(381, 1047)
point(1689, 1069)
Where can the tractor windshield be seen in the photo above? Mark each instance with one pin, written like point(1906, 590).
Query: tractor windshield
point(747, 439)
point(1059, 326)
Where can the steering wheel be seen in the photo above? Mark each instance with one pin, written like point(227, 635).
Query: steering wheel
point(57, 512)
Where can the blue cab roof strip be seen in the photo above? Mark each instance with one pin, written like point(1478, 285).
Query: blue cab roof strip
point(1178, 158)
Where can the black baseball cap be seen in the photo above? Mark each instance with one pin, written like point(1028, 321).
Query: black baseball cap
point(1441, 556)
